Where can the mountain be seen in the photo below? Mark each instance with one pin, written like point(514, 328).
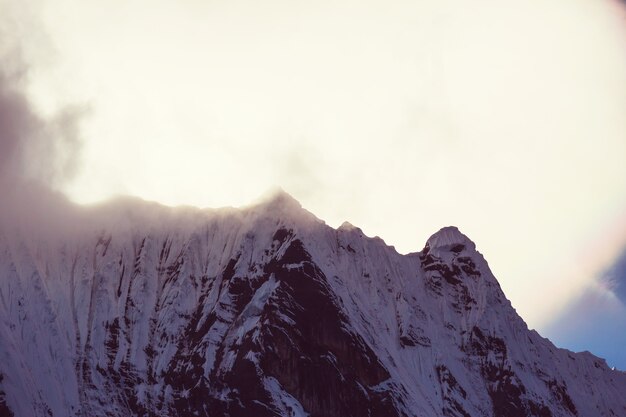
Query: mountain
point(134, 309)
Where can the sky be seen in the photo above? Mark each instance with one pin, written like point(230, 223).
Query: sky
point(506, 119)
point(596, 320)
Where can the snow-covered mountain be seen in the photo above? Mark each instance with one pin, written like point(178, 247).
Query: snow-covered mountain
point(134, 309)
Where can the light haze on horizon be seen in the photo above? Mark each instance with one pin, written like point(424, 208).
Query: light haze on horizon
point(506, 119)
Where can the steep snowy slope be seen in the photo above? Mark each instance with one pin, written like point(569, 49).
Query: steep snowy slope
point(137, 309)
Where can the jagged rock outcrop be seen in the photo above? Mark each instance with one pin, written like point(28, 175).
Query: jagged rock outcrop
point(266, 311)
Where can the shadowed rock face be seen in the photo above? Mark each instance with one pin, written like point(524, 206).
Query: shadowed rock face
point(4, 409)
point(301, 341)
point(266, 314)
point(339, 371)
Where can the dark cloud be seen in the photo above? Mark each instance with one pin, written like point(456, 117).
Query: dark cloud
point(33, 148)
point(615, 277)
point(17, 122)
point(37, 153)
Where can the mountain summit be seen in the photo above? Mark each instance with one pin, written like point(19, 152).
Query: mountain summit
point(449, 236)
point(267, 311)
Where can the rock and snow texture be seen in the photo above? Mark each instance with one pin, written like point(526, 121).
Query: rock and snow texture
point(449, 236)
point(266, 311)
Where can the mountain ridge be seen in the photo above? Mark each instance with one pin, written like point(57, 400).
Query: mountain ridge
point(266, 310)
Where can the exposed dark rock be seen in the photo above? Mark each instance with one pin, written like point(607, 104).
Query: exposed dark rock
point(4, 408)
point(453, 394)
point(559, 390)
point(457, 248)
point(336, 377)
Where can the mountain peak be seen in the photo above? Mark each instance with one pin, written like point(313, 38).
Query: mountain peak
point(449, 236)
point(349, 226)
point(280, 198)
point(279, 204)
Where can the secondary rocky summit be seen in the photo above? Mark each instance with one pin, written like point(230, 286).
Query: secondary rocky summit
point(140, 310)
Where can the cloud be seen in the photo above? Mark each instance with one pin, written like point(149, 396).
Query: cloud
point(595, 321)
point(615, 277)
point(33, 148)
point(16, 123)
point(38, 152)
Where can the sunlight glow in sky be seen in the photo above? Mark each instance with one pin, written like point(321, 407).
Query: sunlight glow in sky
point(505, 118)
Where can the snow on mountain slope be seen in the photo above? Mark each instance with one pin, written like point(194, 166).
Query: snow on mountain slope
point(266, 311)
